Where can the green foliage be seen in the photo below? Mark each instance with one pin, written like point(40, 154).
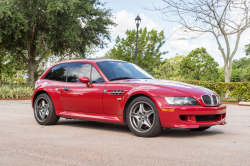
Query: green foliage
point(169, 69)
point(10, 65)
point(238, 90)
point(235, 75)
point(35, 29)
point(221, 77)
point(54, 25)
point(148, 51)
point(241, 70)
point(247, 49)
point(199, 65)
point(15, 91)
point(241, 92)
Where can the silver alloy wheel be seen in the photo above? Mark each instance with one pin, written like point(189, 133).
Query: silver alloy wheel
point(142, 116)
point(42, 109)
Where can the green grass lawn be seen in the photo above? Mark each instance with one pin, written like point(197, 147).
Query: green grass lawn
point(229, 99)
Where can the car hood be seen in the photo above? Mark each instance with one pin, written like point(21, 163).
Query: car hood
point(174, 85)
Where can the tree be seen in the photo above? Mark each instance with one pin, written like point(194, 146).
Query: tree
point(199, 65)
point(10, 64)
point(221, 77)
point(241, 70)
point(148, 51)
point(247, 49)
point(169, 69)
point(2, 56)
point(221, 18)
point(35, 29)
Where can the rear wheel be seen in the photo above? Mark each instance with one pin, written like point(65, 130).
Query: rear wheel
point(44, 110)
point(200, 129)
point(142, 117)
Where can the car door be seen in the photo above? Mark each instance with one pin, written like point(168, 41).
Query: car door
point(54, 80)
point(76, 96)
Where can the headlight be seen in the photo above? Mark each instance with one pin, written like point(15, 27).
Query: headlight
point(181, 101)
point(220, 102)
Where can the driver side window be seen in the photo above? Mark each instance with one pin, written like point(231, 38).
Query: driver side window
point(77, 70)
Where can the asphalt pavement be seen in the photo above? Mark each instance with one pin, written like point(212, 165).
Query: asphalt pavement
point(74, 142)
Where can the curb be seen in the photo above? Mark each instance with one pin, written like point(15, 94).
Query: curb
point(244, 103)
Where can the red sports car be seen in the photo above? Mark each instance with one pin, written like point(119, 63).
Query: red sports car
point(120, 92)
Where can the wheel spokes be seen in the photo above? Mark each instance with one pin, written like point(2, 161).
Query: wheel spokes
point(149, 112)
point(42, 109)
point(43, 115)
point(139, 124)
point(46, 106)
point(141, 116)
point(147, 122)
point(43, 103)
point(141, 109)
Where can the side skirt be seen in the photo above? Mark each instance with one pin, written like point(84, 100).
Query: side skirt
point(90, 116)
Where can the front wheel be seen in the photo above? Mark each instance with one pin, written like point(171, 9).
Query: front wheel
point(44, 110)
point(142, 117)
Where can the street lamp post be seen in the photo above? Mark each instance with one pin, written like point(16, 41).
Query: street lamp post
point(137, 21)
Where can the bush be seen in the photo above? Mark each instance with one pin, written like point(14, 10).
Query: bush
point(15, 91)
point(238, 90)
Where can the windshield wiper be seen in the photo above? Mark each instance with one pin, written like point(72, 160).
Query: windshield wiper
point(146, 78)
point(120, 78)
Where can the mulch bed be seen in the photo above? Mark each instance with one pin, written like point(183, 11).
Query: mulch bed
point(21, 98)
point(231, 102)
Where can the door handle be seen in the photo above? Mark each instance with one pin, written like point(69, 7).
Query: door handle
point(66, 89)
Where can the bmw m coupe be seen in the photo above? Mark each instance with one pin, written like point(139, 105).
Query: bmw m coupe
point(120, 92)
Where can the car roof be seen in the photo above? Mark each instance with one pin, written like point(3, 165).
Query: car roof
point(87, 60)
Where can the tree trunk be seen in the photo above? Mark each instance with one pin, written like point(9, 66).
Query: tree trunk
point(227, 74)
point(228, 70)
point(31, 69)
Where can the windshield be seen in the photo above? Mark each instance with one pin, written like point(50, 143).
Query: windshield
point(117, 70)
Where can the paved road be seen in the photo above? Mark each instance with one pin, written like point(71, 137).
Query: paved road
point(74, 142)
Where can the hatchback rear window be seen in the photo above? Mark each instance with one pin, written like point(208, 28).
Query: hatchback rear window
point(58, 73)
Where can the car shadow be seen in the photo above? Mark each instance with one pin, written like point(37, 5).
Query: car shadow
point(171, 133)
point(95, 125)
point(186, 133)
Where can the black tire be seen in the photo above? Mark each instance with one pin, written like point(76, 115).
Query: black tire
point(45, 115)
point(200, 129)
point(150, 116)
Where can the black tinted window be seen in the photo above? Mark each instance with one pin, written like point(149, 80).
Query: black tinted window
point(95, 76)
point(77, 70)
point(58, 73)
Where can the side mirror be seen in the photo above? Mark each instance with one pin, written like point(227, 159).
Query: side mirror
point(85, 80)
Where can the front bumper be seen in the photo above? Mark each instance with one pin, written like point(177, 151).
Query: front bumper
point(183, 116)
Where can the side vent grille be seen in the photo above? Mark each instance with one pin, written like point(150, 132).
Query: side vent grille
point(116, 92)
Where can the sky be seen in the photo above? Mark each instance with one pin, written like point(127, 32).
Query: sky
point(125, 11)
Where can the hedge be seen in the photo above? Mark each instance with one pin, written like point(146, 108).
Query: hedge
point(15, 91)
point(238, 90)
